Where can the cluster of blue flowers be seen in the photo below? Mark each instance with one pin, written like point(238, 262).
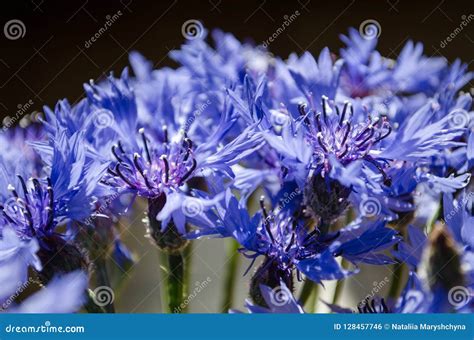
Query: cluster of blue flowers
point(344, 159)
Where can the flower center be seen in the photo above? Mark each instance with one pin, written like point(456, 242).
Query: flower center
point(33, 212)
point(164, 165)
point(336, 134)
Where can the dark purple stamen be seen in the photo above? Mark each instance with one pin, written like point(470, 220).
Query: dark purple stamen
point(302, 111)
point(145, 145)
point(165, 134)
point(121, 175)
point(189, 172)
point(266, 222)
point(343, 116)
point(167, 168)
point(140, 170)
point(114, 152)
point(325, 115)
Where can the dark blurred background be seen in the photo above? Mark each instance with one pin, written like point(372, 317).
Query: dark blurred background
point(51, 60)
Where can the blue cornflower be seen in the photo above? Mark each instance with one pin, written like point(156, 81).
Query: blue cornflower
point(365, 72)
point(315, 79)
point(324, 152)
point(64, 294)
point(337, 156)
point(34, 208)
point(289, 246)
point(157, 162)
point(411, 251)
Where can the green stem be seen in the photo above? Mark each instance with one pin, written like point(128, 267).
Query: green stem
point(396, 286)
point(230, 275)
point(338, 291)
point(187, 253)
point(339, 285)
point(310, 306)
point(309, 295)
point(172, 255)
point(90, 306)
point(173, 267)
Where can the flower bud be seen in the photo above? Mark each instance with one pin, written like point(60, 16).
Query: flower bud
point(59, 257)
point(271, 275)
point(168, 239)
point(442, 260)
point(327, 199)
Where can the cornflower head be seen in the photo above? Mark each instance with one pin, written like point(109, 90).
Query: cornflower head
point(337, 156)
point(366, 73)
point(323, 152)
point(35, 208)
point(290, 247)
point(157, 163)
